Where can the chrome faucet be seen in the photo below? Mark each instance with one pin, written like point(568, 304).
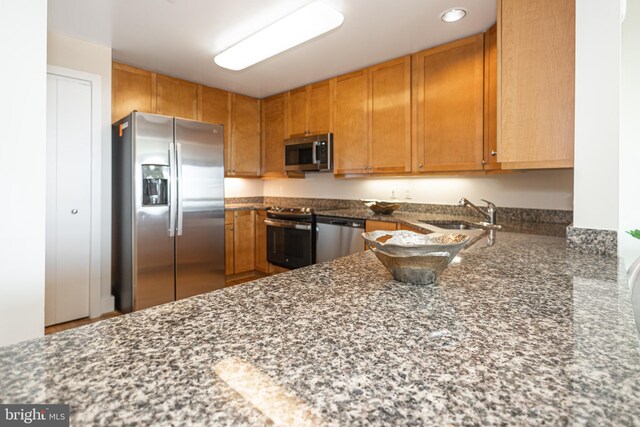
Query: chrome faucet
point(489, 215)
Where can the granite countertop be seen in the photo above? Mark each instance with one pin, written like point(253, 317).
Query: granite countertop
point(245, 207)
point(415, 219)
point(523, 332)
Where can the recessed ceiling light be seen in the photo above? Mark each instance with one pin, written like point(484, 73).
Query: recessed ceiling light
point(453, 15)
point(302, 25)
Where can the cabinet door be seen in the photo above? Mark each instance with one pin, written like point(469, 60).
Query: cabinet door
point(244, 241)
point(491, 99)
point(297, 112)
point(175, 97)
point(320, 108)
point(390, 103)
point(537, 86)
point(131, 89)
point(228, 242)
point(273, 135)
point(261, 242)
point(214, 108)
point(448, 103)
point(245, 136)
point(351, 124)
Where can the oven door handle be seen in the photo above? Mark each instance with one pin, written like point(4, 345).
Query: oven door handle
point(287, 224)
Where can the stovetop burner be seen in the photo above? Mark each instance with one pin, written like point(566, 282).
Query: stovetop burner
point(294, 211)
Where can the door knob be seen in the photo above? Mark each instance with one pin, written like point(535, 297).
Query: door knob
point(493, 153)
point(74, 211)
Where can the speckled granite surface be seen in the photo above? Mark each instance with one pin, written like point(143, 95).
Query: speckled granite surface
point(417, 220)
point(521, 333)
point(588, 240)
point(505, 214)
point(245, 206)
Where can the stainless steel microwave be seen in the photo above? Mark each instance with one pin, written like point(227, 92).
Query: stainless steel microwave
point(309, 153)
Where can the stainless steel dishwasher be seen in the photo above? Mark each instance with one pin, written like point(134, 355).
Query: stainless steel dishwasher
point(338, 237)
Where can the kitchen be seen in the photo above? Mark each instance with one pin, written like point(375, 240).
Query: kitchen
point(330, 338)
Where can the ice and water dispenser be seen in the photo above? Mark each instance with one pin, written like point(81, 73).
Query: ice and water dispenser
point(155, 185)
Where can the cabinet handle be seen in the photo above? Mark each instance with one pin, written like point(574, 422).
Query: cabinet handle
point(420, 165)
point(493, 153)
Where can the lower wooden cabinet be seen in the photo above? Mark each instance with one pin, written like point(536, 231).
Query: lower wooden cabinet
point(228, 247)
point(261, 242)
point(372, 225)
point(246, 243)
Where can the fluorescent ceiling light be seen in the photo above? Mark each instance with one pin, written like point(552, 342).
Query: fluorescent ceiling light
point(304, 24)
point(453, 15)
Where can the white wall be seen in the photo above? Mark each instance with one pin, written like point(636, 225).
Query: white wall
point(535, 189)
point(629, 248)
point(597, 114)
point(23, 89)
point(79, 55)
point(243, 187)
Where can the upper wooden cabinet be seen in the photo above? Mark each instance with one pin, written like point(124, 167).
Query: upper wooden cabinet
point(309, 109)
point(131, 89)
point(372, 123)
point(536, 46)
point(491, 99)
point(243, 153)
point(175, 97)
point(351, 127)
point(214, 107)
point(448, 108)
point(390, 116)
point(273, 135)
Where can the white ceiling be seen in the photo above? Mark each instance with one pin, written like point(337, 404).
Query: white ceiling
point(181, 37)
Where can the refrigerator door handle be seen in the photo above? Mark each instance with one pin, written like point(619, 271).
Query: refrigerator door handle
point(172, 191)
point(179, 187)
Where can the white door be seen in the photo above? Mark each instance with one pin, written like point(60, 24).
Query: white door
point(68, 218)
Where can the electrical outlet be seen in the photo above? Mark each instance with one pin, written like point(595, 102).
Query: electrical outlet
point(407, 194)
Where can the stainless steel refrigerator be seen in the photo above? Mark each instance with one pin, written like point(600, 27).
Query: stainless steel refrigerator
point(168, 210)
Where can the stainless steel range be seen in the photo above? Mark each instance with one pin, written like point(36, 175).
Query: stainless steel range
point(291, 237)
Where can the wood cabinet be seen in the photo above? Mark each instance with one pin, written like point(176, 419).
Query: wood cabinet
point(372, 122)
point(491, 99)
point(372, 225)
point(390, 116)
point(213, 107)
point(351, 126)
point(175, 97)
point(536, 46)
point(244, 241)
point(448, 106)
point(131, 89)
point(243, 150)
point(142, 90)
point(228, 243)
point(261, 242)
point(273, 135)
point(309, 109)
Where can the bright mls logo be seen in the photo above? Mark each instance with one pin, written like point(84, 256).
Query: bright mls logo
point(34, 415)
